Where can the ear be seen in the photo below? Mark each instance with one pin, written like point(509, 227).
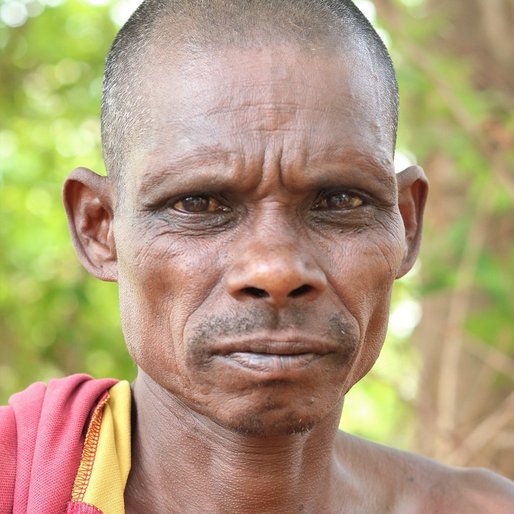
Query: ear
point(88, 199)
point(412, 195)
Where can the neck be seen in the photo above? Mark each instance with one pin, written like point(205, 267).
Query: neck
point(185, 462)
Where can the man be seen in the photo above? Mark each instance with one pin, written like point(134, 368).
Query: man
point(255, 226)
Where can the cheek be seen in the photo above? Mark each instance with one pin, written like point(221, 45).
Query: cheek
point(161, 284)
point(367, 270)
point(363, 268)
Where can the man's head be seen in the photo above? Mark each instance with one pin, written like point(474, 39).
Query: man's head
point(262, 225)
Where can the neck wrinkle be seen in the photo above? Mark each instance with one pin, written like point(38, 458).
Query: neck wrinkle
point(204, 467)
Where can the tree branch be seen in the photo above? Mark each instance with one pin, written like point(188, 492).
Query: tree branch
point(487, 430)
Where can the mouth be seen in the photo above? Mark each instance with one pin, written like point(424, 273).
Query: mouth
point(268, 362)
point(270, 356)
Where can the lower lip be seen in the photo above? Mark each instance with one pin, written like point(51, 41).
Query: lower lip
point(266, 362)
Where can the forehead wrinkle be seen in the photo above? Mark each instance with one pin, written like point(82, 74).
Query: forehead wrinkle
point(247, 107)
point(248, 87)
point(274, 80)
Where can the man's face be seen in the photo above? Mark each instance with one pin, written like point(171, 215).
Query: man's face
point(259, 235)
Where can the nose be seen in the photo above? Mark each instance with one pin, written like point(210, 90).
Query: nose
point(275, 272)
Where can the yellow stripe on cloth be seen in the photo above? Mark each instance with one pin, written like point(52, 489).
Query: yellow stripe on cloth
point(105, 463)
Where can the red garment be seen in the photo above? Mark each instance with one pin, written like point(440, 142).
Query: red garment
point(41, 438)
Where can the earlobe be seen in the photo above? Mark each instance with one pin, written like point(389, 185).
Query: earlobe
point(412, 195)
point(88, 199)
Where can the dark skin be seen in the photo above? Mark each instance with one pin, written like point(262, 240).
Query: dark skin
point(260, 233)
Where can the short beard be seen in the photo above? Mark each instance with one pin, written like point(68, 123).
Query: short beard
point(253, 425)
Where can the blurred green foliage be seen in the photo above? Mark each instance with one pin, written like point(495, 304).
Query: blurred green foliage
point(53, 319)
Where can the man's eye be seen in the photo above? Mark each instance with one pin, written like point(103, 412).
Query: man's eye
point(199, 204)
point(339, 201)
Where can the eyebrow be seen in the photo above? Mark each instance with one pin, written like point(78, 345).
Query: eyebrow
point(369, 166)
point(205, 157)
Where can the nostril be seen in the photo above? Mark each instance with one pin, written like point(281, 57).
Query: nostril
point(256, 292)
point(300, 291)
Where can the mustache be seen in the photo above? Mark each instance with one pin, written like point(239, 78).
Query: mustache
point(231, 326)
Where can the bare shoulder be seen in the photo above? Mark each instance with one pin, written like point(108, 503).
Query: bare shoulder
point(484, 491)
point(414, 484)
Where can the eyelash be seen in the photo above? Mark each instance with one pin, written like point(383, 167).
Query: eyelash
point(219, 207)
point(350, 195)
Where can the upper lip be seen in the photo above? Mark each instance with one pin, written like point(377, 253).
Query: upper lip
point(276, 346)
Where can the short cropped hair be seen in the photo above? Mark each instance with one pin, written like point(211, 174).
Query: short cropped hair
point(192, 26)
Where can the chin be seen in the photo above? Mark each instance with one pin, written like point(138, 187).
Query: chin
point(273, 411)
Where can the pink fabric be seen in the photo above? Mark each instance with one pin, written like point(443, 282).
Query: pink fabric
point(41, 438)
point(82, 508)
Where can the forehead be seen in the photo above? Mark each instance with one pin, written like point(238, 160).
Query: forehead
point(254, 106)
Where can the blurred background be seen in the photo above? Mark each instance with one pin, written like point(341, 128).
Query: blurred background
point(444, 384)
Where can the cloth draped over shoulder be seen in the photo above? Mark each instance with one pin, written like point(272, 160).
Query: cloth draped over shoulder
point(42, 433)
